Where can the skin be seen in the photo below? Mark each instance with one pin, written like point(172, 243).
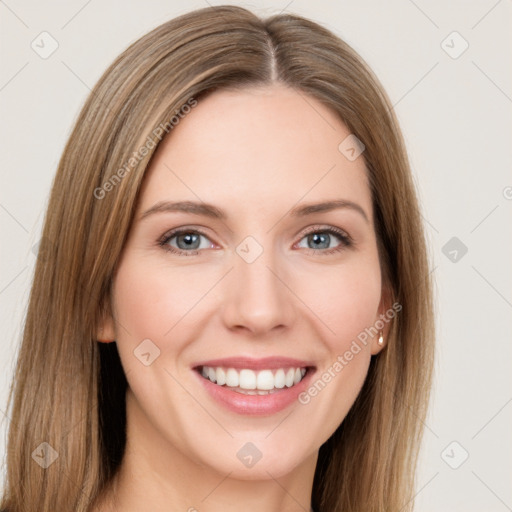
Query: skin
point(254, 153)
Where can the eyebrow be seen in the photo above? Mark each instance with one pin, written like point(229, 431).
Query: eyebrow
point(209, 210)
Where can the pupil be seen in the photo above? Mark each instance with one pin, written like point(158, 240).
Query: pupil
point(189, 239)
point(317, 238)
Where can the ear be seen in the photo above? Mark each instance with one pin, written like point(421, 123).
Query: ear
point(383, 320)
point(106, 329)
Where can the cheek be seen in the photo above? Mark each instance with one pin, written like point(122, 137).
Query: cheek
point(151, 300)
point(347, 306)
point(156, 303)
point(344, 299)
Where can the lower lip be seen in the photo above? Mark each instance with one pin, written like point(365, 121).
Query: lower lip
point(256, 405)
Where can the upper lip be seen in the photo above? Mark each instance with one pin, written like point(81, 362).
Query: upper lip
point(270, 363)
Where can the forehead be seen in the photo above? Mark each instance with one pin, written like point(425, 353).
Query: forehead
point(257, 148)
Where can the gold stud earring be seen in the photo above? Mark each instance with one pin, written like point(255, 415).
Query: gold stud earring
point(381, 339)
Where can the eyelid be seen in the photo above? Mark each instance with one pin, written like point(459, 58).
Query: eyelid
point(327, 228)
point(192, 228)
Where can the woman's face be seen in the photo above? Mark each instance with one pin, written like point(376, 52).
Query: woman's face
point(248, 279)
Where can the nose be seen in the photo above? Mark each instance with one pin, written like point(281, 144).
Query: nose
point(258, 296)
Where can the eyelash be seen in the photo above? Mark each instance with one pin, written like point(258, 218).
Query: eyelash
point(344, 238)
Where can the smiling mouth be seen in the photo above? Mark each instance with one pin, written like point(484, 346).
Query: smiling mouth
point(251, 382)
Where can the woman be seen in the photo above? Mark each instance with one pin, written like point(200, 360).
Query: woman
point(190, 344)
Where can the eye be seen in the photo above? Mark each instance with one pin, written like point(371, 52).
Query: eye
point(188, 242)
point(320, 238)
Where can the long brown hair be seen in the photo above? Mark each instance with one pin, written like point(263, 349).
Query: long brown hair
point(69, 390)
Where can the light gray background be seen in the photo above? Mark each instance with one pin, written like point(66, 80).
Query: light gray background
point(455, 115)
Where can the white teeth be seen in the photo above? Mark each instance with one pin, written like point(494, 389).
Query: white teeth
point(265, 380)
point(251, 382)
point(290, 375)
point(232, 378)
point(247, 379)
point(279, 379)
point(221, 376)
